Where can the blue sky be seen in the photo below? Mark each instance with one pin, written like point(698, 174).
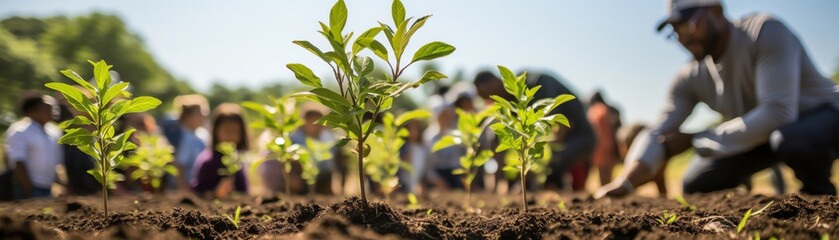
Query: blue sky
point(603, 44)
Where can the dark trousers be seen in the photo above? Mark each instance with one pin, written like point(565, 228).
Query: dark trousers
point(577, 150)
point(809, 146)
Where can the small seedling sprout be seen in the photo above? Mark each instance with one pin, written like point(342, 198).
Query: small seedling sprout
point(748, 214)
point(235, 218)
point(413, 203)
point(685, 203)
point(667, 218)
point(744, 220)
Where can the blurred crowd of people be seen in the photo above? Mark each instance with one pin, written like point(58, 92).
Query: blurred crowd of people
point(195, 132)
point(776, 108)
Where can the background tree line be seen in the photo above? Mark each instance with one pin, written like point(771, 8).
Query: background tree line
point(32, 50)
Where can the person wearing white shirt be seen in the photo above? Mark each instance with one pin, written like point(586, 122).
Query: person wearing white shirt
point(32, 147)
point(775, 104)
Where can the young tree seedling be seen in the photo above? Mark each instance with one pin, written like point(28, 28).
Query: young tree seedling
point(151, 161)
point(235, 218)
point(359, 94)
point(281, 118)
point(522, 126)
point(384, 162)
point(93, 131)
point(468, 133)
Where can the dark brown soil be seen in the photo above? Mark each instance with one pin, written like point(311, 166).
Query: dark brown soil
point(322, 217)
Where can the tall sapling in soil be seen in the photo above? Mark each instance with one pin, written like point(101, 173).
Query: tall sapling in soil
point(522, 126)
point(360, 96)
point(93, 131)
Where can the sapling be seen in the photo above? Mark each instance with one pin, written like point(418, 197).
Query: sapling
point(522, 126)
point(468, 133)
point(93, 131)
point(359, 94)
point(384, 161)
point(280, 118)
point(151, 161)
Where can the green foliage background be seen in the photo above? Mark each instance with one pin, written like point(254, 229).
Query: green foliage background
point(33, 49)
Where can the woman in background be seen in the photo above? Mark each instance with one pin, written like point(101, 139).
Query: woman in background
point(228, 126)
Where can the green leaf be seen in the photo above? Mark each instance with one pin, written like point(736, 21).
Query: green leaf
point(433, 50)
point(315, 50)
point(370, 33)
point(459, 171)
point(503, 102)
point(399, 41)
point(72, 94)
point(142, 104)
point(509, 168)
point(257, 107)
point(76, 121)
point(363, 66)
point(744, 220)
point(405, 117)
point(305, 75)
point(509, 79)
point(428, 76)
point(445, 142)
point(78, 79)
point(338, 17)
point(561, 119)
point(96, 175)
point(398, 12)
point(76, 137)
point(329, 97)
point(119, 108)
point(416, 26)
point(102, 74)
point(89, 150)
point(375, 46)
point(758, 212)
point(559, 100)
point(113, 91)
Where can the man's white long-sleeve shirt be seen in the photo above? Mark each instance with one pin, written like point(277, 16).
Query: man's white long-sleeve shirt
point(763, 81)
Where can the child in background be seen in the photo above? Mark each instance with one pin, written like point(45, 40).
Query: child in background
point(228, 126)
point(188, 136)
